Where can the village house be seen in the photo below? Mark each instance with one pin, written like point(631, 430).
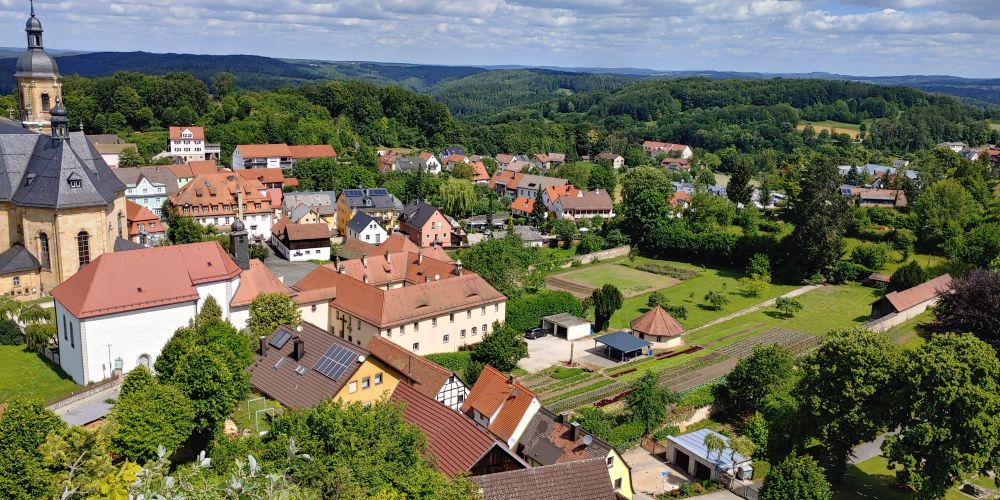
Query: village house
point(501, 404)
point(364, 228)
point(111, 153)
point(453, 160)
point(271, 178)
point(427, 226)
point(301, 242)
point(584, 205)
point(283, 156)
point(481, 175)
point(455, 443)
point(581, 479)
point(867, 198)
point(120, 310)
point(425, 377)
point(909, 303)
point(187, 142)
point(220, 199)
point(545, 161)
point(311, 206)
point(617, 161)
point(654, 148)
point(522, 207)
point(148, 187)
point(423, 304)
point(676, 164)
point(144, 227)
point(377, 203)
point(186, 172)
point(551, 439)
point(430, 163)
point(304, 366)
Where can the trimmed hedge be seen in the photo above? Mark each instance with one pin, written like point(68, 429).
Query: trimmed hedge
point(527, 311)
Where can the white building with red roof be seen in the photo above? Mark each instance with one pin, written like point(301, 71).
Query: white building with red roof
point(122, 308)
point(187, 143)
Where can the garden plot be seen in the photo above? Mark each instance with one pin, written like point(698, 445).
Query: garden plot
point(631, 282)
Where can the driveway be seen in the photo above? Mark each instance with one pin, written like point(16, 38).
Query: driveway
point(288, 272)
point(549, 350)
point(646, 473)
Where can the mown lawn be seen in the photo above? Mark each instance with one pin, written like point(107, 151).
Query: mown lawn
point(873, 479)
point(27, 374)
point(907, 335)
point(690, 293)
point(824, 309)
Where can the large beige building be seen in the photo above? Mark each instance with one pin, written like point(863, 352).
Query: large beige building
point(59, 200)
point(423, 304)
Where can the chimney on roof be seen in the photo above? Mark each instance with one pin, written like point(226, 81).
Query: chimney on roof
point(342, 269)
point(365, 278)
point(263, 345)
point(458, 267)
point(427, 279)
point(388, 257)
point(561, 418)
point(364, 260)
point(510, 380)
point(299, 349)
point(574, 431)
point(420, 256)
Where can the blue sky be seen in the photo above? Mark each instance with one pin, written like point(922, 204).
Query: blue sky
point(859, 37)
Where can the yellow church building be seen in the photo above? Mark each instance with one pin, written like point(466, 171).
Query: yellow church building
point(61, 206)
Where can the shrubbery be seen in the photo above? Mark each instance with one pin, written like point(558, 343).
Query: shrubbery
point(844, 271)
point(10, 333)
point(667, 270)
point(527, 311)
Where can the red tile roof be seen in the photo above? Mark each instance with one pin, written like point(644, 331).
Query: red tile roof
point(908, 298)
point(221, 190)
point(197, 133)
point(312, 151)
point(427, 377)
point(482, 174)
point(255, 281)
point(584, 479)
point(149, 277)
point(264, 175)
point(397, 242)
point(264, 151)
point(554, 192)
point(523, 204)
point(507, 177)
point(455, 442)
point(137, 214)
point(203, 167)
point(657, 322)
point(680, 196)
point(493, 391)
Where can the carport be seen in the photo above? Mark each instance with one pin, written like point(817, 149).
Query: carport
point(566, 326)
point(689, 453)
point(621, 345)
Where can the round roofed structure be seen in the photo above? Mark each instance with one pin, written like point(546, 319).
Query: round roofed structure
point(657, 325)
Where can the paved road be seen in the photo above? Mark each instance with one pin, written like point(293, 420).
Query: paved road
point(89, 409)
point(289, 272)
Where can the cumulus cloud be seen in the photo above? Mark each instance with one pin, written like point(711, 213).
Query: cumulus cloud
point(846, 36)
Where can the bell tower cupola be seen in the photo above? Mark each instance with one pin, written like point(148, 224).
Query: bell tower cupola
point(38, 81)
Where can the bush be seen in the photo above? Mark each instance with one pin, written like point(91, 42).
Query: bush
point(664, 433)
point(527, 311)
point(871, 255)
point(907, 276)
point(678, 312)
point(667, 270)
point(656, 299)
point(759, 266)
point(626, 436)
point(716, 300)
point(844, 271)
point(259, 252)
point(590, 243)
point(10, 333)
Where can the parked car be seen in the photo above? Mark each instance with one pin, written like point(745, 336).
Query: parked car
point(535, 333)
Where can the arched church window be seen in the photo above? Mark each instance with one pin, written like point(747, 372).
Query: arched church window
point(43, 250)
point(83, 247)
point(45, 101)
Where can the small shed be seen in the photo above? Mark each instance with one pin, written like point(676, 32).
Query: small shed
point(622, 346)
point(658, 325)
point(566, 326)
point(879, 280)
point(689, 453)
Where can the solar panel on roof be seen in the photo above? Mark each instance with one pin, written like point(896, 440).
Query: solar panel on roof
point(378, 192)
point(353, 193)
point(334, 363)
point(279, 339)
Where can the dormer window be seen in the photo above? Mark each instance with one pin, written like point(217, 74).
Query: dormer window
point(74, 181)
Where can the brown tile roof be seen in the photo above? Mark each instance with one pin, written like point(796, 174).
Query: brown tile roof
point(149, 277)
point(397, 242)
point(137, 214)
point(555, 192)
point(523, 204)
point(387, 308)
point(274, 374)
point(197, 133)
point(275, 195)
point(482, 174)
point(264, 151)
point(908, 298)
point(597, 199)
point(454, 158)
point(657, 322)
point(455, 442)
point(204, 167)
point(529, 181)
point(607, 156)
point(680, 196)
point(256, 280)
point(113, 149)
point(264, 175)
point(547, 441)
point(312, 151)
point(504, 158)
point(587, 479)
point(303, 232)
point(879, 277)
point(681, 163)
point(354, 249)
point(399, 266)
point(493, 391)
point(221, 189)
point(427, 377)
point(316, 295)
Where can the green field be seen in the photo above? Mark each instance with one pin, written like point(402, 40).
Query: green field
point(27, 374)
point(872, 479)
point(691, 293)
point(629, 281)
point(824, 309)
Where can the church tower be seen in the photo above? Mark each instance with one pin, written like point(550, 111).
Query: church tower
point(37, 78)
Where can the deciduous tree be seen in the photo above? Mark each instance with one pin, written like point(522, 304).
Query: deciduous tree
point(502, 348)
point(153, 416)
point(796, 478)
point(767, 370)
point(647, 403)
point(907, 276)
point(268, 311)
point(973, 307)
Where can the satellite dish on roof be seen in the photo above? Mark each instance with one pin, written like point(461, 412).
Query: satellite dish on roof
point(588, 440)
point(361, 358)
